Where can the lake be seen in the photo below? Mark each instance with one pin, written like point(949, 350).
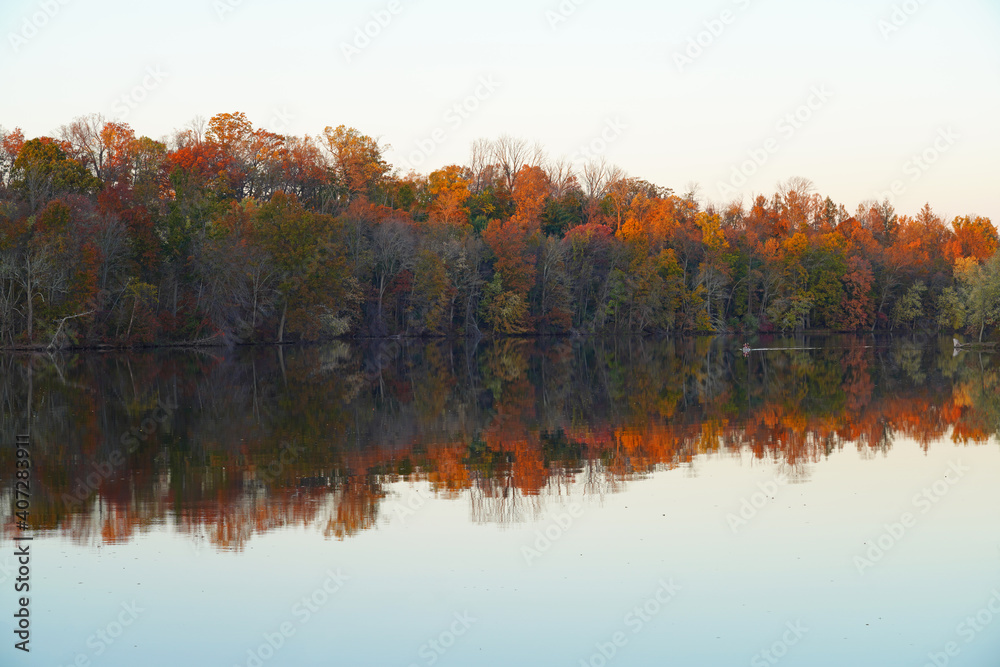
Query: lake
point(823, 500)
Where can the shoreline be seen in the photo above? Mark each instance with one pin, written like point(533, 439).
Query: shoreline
point(214, 343)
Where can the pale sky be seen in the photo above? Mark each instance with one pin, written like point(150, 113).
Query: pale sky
point(888, 81)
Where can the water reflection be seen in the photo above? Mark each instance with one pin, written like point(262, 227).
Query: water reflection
point(226, 444)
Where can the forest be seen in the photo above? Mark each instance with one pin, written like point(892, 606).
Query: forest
point(225, 234)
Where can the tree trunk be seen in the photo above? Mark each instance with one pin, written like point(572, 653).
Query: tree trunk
point(131, 318)
point(281, 324)
point(31, 310)
point(253, 316)
point(381, 291)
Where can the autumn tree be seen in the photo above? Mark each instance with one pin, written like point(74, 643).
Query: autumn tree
point(505, 298)
point(393, 248)
point(979, 287)
point(529, 194)
point(431, 295)
point(975, 237)
point(10, 146)
point(510, 154)
point(356, 163)
point(316, 292)
point(590, 258)
point(857, 309)
point(910, 306)
point(448, 190)
point(554, 307)
point(43, 171)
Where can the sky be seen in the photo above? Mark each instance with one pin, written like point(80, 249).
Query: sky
point(866, 98)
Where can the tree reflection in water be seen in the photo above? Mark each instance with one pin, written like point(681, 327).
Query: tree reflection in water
point(263, 438)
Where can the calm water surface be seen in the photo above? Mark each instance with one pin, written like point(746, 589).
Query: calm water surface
point(517, 502)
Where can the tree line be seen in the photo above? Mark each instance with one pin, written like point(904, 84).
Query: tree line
point(229, 233)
